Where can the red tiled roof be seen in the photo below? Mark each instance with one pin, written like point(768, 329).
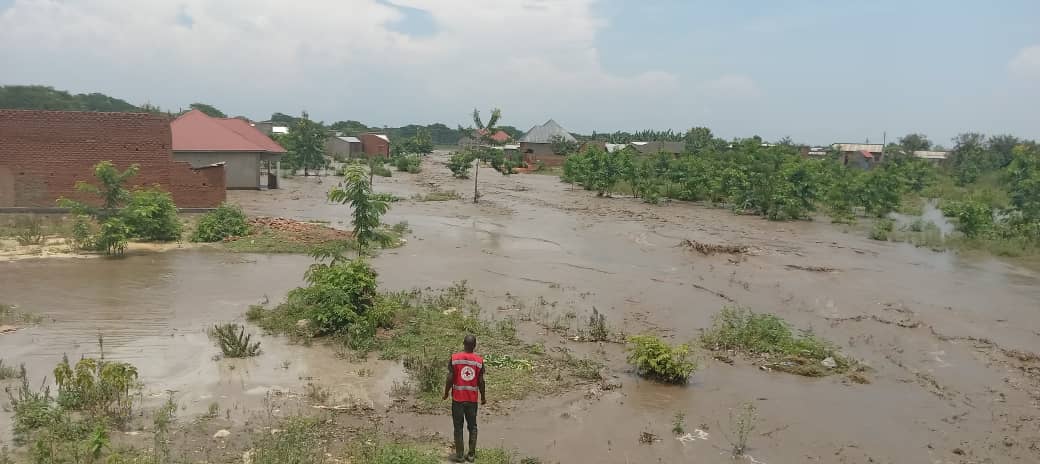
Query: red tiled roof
point(195, 131)
point(500, 136)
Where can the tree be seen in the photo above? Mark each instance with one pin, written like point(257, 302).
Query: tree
point(562, 146)
point(914, 142)
point(1024, 180)
point(306, 144)
point(1001, 148)
point(357, 191)
point(349, 128)
point(968, 157)
point(699, 139)
point(485, 131)
point(111, 189)
point(209, 110)
point(422, 143)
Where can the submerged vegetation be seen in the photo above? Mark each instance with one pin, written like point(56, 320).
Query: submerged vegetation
point(770, 339)
point(658, 360)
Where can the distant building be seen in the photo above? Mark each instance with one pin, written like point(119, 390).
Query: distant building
point(536, 144)
point(861, 155)
point(473, 140)
point(343, 147)
point(934, 156)
point(270, 128)
point(249, 156)
point(815, 152)
point(653, 148)
point(373, 144)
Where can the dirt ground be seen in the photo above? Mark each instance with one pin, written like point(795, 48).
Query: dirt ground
point(949, 338)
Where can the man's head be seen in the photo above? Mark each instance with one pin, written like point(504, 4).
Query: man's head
point(469, 343)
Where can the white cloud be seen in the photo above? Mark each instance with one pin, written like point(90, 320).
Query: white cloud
point(732, 87)
point(1026, 63)
point(336, 58)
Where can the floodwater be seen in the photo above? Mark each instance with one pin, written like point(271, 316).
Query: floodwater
point(937, 329)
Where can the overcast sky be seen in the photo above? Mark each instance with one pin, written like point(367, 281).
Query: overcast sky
point(817, 71)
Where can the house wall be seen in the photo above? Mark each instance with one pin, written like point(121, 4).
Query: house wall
point(204, 186)
point(44, 153)
point(242, 168)
point(334, 146)
point(534, 152)
point(373, 145)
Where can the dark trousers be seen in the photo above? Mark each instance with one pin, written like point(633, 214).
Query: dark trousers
point(464, 411)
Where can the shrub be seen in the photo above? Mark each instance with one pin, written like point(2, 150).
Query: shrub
point(226, 221)
point(299, 442)
point(339, 294)
point(30, 231)
point(459, 164)
point(973, 217)
point(881, 229)
point(656, 359)
point(379, 170)
point(99, 387)
point(113, 236)
point(409, 163)
point(83, 231)
point(233, 341)
point(152, 215)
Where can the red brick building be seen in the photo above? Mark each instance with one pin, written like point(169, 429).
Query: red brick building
point(375, 144)
point(44, 153)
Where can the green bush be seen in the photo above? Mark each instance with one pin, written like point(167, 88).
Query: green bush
point(339, 295)
point(113, 236)
point(459, 164)
point(973, 217)
point(226, 221)
point(408, 163)
point(380, 170)
point(882, 227)
point(152, 215)
point(656, 359)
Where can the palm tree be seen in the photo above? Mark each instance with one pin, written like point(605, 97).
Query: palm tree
point(486, 131)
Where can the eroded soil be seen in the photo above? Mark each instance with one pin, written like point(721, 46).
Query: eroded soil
point(949, 339)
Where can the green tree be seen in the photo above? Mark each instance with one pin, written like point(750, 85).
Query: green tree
point(700, 139)
point(914, 142)
point(111, 189)
point(422, 143)
point(209, 110)
point(562, 146)
point(306, 144)
point(968, 157)
point(1023, 175)
point(368, 210)
point(485, 131)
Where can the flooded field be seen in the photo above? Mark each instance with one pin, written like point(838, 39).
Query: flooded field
point(949, 339)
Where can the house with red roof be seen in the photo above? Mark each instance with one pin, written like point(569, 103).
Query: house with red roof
point(475, 138)
point(249, 156)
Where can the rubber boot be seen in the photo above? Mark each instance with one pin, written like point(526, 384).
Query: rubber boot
point(459, 447)
point(472, 447)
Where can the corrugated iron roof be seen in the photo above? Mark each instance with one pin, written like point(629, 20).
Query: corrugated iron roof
point(871, 147)
point(382, 136)
point(926, 154)
point(195, 131)
point(546, 132)
point(350, 139)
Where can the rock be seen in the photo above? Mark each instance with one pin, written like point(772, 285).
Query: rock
point(829, 363)
point(303, 323)
point(222, 433)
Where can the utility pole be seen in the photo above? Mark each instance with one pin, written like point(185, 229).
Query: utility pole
point(476, 171)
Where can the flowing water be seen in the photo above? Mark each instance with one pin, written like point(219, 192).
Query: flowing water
point(937, 329)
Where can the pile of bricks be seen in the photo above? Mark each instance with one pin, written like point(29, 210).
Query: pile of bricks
point(297, 231)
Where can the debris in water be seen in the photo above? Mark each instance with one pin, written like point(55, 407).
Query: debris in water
point(222, 433)
point(7, 328)
point(829, 363)
point(710, 249)
point(810, 268)
point(648, 438)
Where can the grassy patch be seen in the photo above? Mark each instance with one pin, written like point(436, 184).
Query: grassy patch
point(658, 360)
point(771, 339)
point(429, 326)
point(7, 372)
point(12, 315)
point(437, 195)
point(376, 450)
point(302, 440)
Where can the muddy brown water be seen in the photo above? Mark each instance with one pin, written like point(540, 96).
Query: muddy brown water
point(936, 328)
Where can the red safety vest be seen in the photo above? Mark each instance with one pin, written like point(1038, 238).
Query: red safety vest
point(467, 368)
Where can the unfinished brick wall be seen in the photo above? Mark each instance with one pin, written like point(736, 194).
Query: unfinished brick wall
point(44, 153)
point(191, 187)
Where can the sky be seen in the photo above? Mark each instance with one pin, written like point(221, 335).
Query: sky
point(815, 71)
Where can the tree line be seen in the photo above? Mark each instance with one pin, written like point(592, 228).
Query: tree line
point(989, 185)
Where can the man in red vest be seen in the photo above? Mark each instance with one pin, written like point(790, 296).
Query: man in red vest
point(465, 380)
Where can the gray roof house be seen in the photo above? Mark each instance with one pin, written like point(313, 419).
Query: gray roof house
point(546, 132)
